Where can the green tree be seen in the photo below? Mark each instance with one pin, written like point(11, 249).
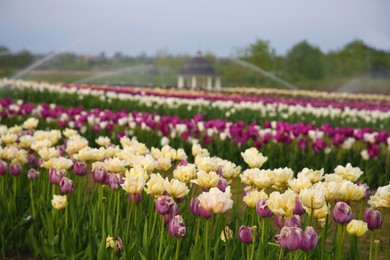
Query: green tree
point(261, 54)
point(305, 62)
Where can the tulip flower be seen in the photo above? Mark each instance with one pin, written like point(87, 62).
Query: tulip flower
point(309, 239)
point(246, 234)
point(66, 185)
point(342, 213)
point(290, 238)
point(32, 174)
point(15, 168)
point(164, 204)
point(3, 168)
point(176, 227)
point(373, 218)
point(357, 228)
point(80, 168)
point(262, 208)
point(55, 176)
point(99, 175)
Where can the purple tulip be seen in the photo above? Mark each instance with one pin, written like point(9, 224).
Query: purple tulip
point(294, 221)
point(32, 174)
point(66, 185)
point(80, 168)
point(290, 238)
point(119, 246)
point(194, 206)
point(99, 175)
point(55, 176)
point(245, 234)
point(262, 208)
point(278, 221)
point(32, 160)
point(3, 168)
point(164, 204)
point(342, 213)
point(114, 180)
point(135, 197)
point(373, 218)
point(309, 239)
point(222, 184)
point(175, 210)
point(15, 168)
point(298, 209)
point(176, 227)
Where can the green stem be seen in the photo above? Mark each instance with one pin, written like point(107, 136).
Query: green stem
point(32, 199)
point(154, 223)
point(197, 230)
point(104, 215)
point(66, 216)
point(161, 238)
point(262, 231)
point(291, 255)
point(177, 248)
point(206, 241)
point(117, 211)
point(253, 249)
point(376, 249)
point(281, 254)
point(325, 233)
point(387, 240)
point(371, 244)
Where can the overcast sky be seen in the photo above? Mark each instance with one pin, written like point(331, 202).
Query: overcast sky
point(184, 26)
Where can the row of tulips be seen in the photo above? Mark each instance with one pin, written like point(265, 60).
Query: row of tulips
point(249, 109)
point(129, 201)
point(368, 148)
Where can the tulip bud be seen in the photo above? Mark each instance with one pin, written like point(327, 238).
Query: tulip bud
point(175, 210)
point(194, 206)
point(298, 209)
point(373, 218)
point(119, 244)
point(135, 197)
point(32, 160)
point(290, 238)
point(357, 228)
point(66, 185)
point(32, 174)
point(294, 221)
point(245, 234)
point(55, 176)
point(164, 204)
point(3, 168)
point(99, 175)
point(226, 234)
point(176, 227)
point(309, 239)
point(15, 168)
point(80, 168)
point(262, 208)
point(278, 221)
point(114, 180)
point(222, 184)
point(342, 213)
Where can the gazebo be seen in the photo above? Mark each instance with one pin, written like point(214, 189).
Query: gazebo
point(198, 73)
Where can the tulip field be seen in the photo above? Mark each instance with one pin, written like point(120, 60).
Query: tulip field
point(106, 172)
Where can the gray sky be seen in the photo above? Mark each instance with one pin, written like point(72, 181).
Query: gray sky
point(184, 26)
